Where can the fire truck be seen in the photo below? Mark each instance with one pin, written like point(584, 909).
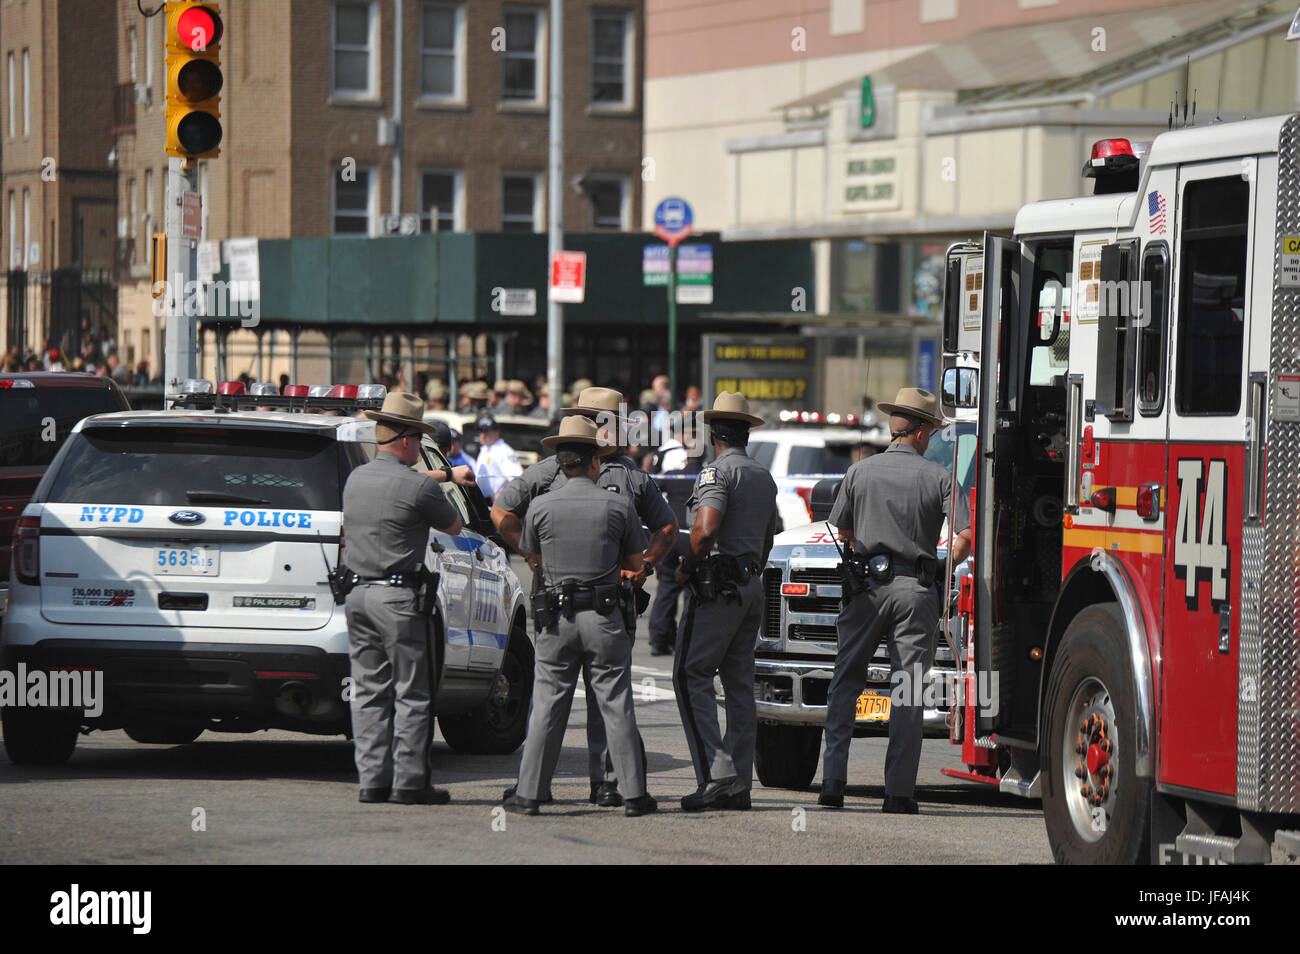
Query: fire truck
point(1132, 622)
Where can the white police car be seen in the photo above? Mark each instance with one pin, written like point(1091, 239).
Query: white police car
point(184, 554)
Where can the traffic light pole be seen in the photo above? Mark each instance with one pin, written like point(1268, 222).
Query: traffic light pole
point(180, 360)
point(555, 211)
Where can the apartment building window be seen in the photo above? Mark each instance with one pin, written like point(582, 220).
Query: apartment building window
point(442, 51)
point(355, 202)
point(523, 61)
point(27, 92)
point(13, 101)
point(133, 53)
point(611, 59)
point(608, 195)
point(356, 27)
point(441, 188)
point(15, 250)
point(150, 42)
point(521, 200)
point(27, 226)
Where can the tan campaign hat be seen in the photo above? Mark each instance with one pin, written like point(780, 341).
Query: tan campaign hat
point(475, 390)
point(518, 387)
point(501, 386)
point(435, 390)
point(917, 403)
point(596, 401)
point(575, 429)
point(731, 406)
point(402, 410)
point(580, 385)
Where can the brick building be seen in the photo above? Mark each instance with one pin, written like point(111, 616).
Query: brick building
point(333, 128)
point(56, 182)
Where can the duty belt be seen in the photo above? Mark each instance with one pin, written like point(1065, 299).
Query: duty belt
point(411, 580)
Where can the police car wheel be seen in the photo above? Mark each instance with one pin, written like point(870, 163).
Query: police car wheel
point(39, 736)
point(786, 756)
point(1096, 808)
point(157, 733)
point(499, 725)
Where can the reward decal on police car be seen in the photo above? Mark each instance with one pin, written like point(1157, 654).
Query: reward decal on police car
point(102, 596)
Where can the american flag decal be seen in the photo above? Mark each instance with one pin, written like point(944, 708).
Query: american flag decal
point(1156, 212)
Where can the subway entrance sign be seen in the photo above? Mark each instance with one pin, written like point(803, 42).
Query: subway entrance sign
point(774, 372)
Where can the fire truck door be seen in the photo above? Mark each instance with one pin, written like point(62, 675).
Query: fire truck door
point(1208, 413)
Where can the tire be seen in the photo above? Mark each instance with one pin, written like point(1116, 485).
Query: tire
point(1090, 696)
point(499, 725)
point(158, 733)
point(39, 736)
point(786, 756)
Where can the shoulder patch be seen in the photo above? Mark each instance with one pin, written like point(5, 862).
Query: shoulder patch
point(709, 475)
point(612, 489)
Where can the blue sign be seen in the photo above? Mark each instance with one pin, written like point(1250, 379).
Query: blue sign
point(926, 352)
point(673, 220)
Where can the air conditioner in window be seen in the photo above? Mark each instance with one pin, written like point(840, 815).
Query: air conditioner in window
point(143, 93)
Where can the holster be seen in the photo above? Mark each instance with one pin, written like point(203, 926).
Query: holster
point(628, 600)
point(341, 582)
point(704, 582)
point(544, 605)
point(928, 571)
point(641, 598)
point(853, 577)
point(427, 590)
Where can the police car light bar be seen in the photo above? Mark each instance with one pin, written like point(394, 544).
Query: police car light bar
point(234, 396)
point(817, 417)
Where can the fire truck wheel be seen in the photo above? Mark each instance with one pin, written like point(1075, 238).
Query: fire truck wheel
point(39, 736)
point(786, 756)
point(1096, 808)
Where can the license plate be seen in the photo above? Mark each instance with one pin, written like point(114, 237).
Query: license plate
point(873, 706)
point(187, 561)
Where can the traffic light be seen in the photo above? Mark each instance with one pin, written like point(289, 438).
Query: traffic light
point(194, 79)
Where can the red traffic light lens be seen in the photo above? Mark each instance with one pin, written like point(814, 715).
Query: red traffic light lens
point(199, 80)
point(198, 28)
point(198, 132)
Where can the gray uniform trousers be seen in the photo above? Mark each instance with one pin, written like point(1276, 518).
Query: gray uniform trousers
point(561, 650)
point(905, 613)
point(391, 700)
point(718, 637)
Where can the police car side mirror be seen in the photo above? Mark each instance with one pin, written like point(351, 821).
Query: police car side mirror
point(822, 498)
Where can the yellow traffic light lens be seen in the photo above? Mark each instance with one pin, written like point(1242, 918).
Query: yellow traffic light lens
point(198, 132)
point(199, 80)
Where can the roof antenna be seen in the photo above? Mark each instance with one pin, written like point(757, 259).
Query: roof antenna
point(1171, 115)
point(1194, 91)
point(1175, 105)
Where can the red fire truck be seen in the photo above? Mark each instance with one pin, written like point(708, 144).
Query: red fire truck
point(1133, 618)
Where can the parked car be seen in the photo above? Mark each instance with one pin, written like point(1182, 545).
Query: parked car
point(524, 434)
point(37, 412)
point(184, 553)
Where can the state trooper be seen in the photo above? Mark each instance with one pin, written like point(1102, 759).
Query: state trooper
point(890, 511)
point(388, 509)
point(732, 512)
point(582, 535)
point(620, 475)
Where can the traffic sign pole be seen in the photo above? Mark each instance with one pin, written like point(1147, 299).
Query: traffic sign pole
point(180, 356)
point(672, 318)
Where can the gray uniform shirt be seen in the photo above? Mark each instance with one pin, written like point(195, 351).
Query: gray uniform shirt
point(582, 533)
point(896, 501)
point(618, 475)
point(744, 491)
point(388, 509)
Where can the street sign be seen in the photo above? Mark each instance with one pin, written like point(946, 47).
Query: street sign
point(191, 215)
point(568, 277)
point(209, 261)
point(514, 301)
point(673, 220)
point(868, 114)
point(654, 266)
point(245, 268)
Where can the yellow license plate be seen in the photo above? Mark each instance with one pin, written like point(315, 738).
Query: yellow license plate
point(873, 706)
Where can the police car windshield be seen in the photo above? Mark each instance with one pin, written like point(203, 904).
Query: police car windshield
point(170, 466)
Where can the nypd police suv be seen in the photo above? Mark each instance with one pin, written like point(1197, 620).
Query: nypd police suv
point(187, 555)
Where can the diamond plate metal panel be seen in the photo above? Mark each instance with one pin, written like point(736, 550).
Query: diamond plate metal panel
point(1268, 747)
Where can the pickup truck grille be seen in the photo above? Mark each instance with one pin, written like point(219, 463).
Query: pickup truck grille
point(807, 631)
point(814, 604)
point(771, 603)
point(816, 574)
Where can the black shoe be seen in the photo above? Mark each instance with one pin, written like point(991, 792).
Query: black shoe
point(420, 796)
point(641, 805)
point(898, 805)
point(713, 794)
point(738, 802)
point(372, 795)
point(832, 795)
point(605, 794)
point(658, 650)
point(520, 805)
point(510, 793)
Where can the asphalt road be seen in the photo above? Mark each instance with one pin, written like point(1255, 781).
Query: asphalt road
point(275, 797)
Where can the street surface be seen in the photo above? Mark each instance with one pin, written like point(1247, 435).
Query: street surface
point(279, 797)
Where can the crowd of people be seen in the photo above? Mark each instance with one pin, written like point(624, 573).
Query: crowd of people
point(96, 354)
